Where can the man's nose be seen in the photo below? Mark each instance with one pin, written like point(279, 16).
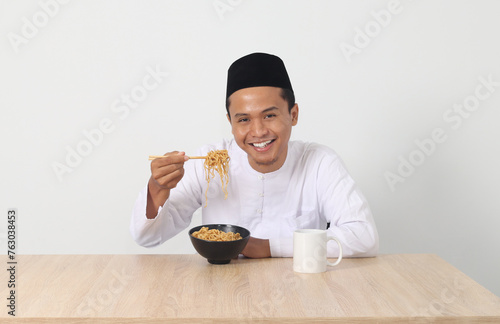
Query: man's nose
point(259, 129)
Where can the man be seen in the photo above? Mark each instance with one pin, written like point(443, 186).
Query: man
point(275, 185)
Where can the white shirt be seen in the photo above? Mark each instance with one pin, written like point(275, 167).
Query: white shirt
point(311, 189)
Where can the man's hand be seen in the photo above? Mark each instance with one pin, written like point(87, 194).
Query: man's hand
point(257, 248)
point(166, 172)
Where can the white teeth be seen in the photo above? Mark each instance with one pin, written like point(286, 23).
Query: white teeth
point(261, 145)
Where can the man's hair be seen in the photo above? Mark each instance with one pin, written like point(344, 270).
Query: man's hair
point(286, 94)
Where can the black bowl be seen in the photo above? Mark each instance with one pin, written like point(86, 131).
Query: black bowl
point(218, 252)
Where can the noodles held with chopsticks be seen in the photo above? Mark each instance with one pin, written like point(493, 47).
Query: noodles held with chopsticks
point(217, 160)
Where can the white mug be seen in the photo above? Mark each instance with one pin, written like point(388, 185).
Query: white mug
point(309, 250)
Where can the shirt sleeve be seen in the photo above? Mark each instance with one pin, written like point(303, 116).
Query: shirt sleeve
point(281, 247)
point(339, 202)
point(348, 212)
point(173, 217)
point(143, 230)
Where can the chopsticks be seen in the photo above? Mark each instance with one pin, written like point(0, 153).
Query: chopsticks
point(152, 157)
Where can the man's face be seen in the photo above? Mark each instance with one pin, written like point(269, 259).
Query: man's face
point(262, 125)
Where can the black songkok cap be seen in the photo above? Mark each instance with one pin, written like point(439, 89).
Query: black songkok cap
point(257, 70)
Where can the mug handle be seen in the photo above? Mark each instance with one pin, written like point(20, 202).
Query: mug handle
point(330, 238)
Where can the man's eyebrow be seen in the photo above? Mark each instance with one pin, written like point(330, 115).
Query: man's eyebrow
point(269, 109)
point(262, 112)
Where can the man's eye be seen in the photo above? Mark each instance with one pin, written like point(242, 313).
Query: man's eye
point(270, 115)
point(242, 120)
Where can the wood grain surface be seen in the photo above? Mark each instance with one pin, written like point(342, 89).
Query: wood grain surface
point(186, 288)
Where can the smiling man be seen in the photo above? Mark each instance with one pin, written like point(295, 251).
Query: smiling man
point(261, 123)
point(276, 185)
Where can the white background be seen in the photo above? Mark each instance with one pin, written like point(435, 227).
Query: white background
point(64, 66)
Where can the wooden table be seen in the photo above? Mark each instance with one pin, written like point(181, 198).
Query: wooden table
point(186, 288)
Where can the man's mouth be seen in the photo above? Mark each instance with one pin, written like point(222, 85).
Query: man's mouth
point(262, 144)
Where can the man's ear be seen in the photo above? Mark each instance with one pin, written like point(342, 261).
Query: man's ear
point(295, 114)
point(228, 118)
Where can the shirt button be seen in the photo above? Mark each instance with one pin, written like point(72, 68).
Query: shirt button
point(261, 177)
point(261, 194)
point(259, 211)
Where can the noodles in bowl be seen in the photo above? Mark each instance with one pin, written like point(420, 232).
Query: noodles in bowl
point(219, 251)
point(216, 235)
